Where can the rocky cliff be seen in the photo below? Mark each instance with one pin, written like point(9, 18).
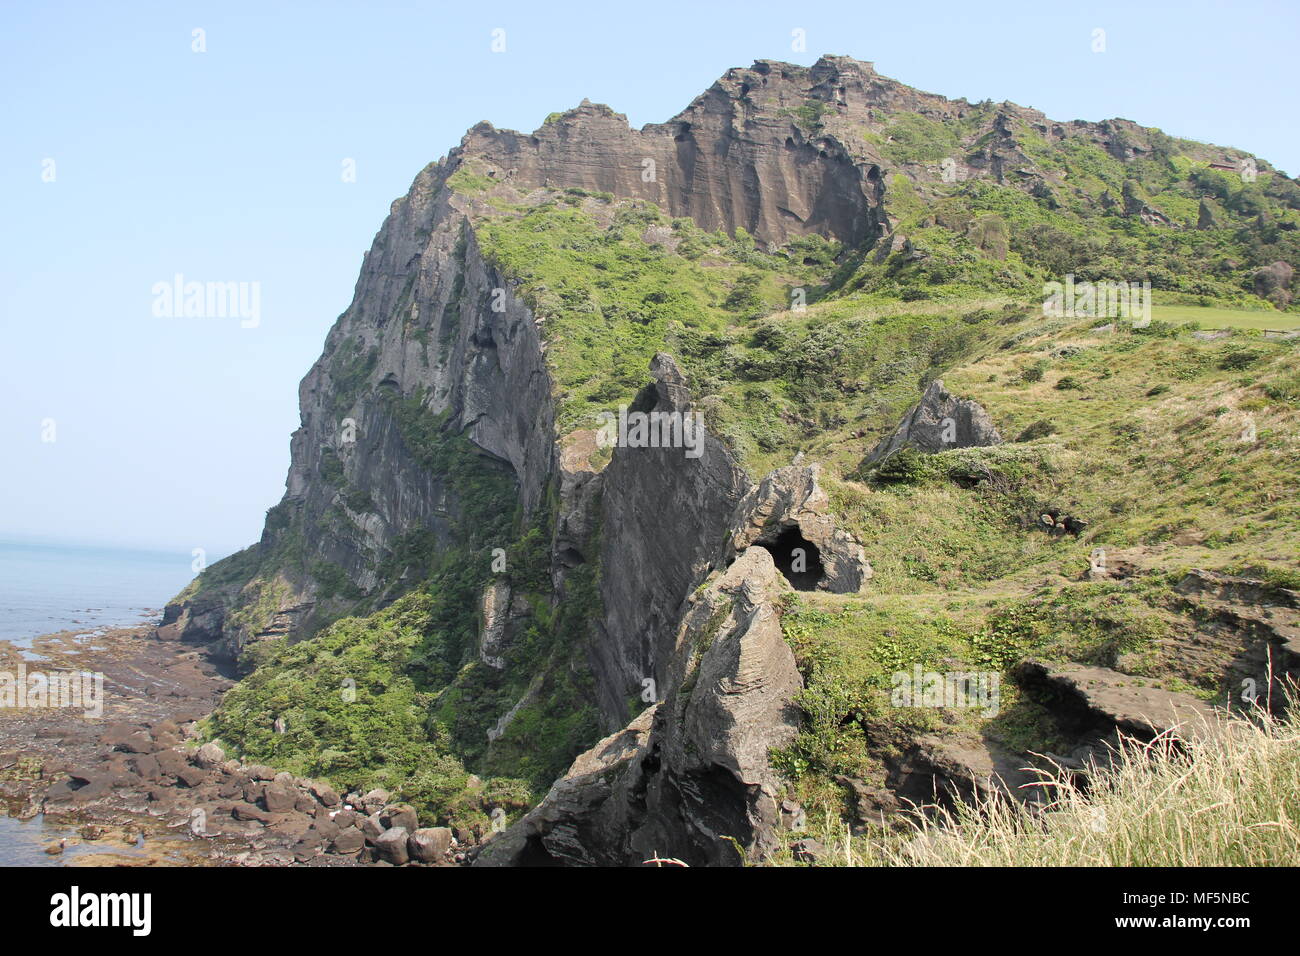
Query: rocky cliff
point(528, 283)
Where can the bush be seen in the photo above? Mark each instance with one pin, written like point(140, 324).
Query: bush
point(1239, 359)
point(1034, 373)
point(905, 466)
point(1039, 429)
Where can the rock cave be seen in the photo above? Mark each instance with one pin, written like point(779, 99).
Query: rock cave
point(795, 557)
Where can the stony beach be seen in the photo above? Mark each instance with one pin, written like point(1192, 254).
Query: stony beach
point(133, 786)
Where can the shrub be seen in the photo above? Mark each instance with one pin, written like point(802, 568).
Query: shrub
point(1239, 359)
point(905, 466)
point(1039, 429)
point(1034, 373)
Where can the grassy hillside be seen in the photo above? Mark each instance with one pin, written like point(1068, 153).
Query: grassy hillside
point(1212, 318)
point(1225, 800)
point(1177, 451)
point(819, 349)
point(1065, 205)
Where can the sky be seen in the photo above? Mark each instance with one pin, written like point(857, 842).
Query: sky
point(265, 149)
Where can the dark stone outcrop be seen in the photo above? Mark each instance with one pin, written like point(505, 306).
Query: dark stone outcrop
point(1103, 698)
point(662, 514)
point(939, 422)
point(1251, 624)
point(689, 775)
point(789, 505)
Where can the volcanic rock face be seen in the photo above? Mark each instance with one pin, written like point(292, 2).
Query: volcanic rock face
point(422, 321)
point(774, 150)
point(692, 771)
point(777, 149)
point(940, 422)
point(789, 505)
point(650, 565)
point(731, 159)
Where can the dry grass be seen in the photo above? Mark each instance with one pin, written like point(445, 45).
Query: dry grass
point(1228, 796)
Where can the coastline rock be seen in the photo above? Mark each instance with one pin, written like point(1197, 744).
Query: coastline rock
point(210, 756)
point(392, 845)
point(430, 844)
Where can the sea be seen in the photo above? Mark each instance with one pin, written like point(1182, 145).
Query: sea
point(48, 586)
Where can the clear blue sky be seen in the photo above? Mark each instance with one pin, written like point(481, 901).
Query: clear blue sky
point(225, 166)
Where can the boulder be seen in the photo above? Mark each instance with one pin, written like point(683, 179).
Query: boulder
point(391, 845)
point(323, 792)
point(399, 815)
point(248, 812)
point(939, 422)
point(279, 799)
point(808, 850)
point(372, 827)
point(430, 844)
point(327, 828)
point(115, 735)
point(170, 762)
point(346, 818)
point(294, 827)
point(137, 743)
point(348, 843)
point(210, 756)
point(192, 776)
point(145, 767)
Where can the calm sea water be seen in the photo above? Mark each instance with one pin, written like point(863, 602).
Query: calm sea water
point(46, 587)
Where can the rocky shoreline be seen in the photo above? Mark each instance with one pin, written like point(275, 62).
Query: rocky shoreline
point(135, 783)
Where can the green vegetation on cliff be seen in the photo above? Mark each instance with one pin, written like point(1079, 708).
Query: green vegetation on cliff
point(1178, 452)
point(771, 368)
point(1200, 235)
point(399, 698)
point(816, 348)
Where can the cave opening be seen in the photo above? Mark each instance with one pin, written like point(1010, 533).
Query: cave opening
point(796, 557)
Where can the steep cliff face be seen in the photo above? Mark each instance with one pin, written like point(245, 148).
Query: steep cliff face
point(689, 778)
point(663, 515)
point(433, 328)
point(436, 335)
point(777, 150)
point(731, 159)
